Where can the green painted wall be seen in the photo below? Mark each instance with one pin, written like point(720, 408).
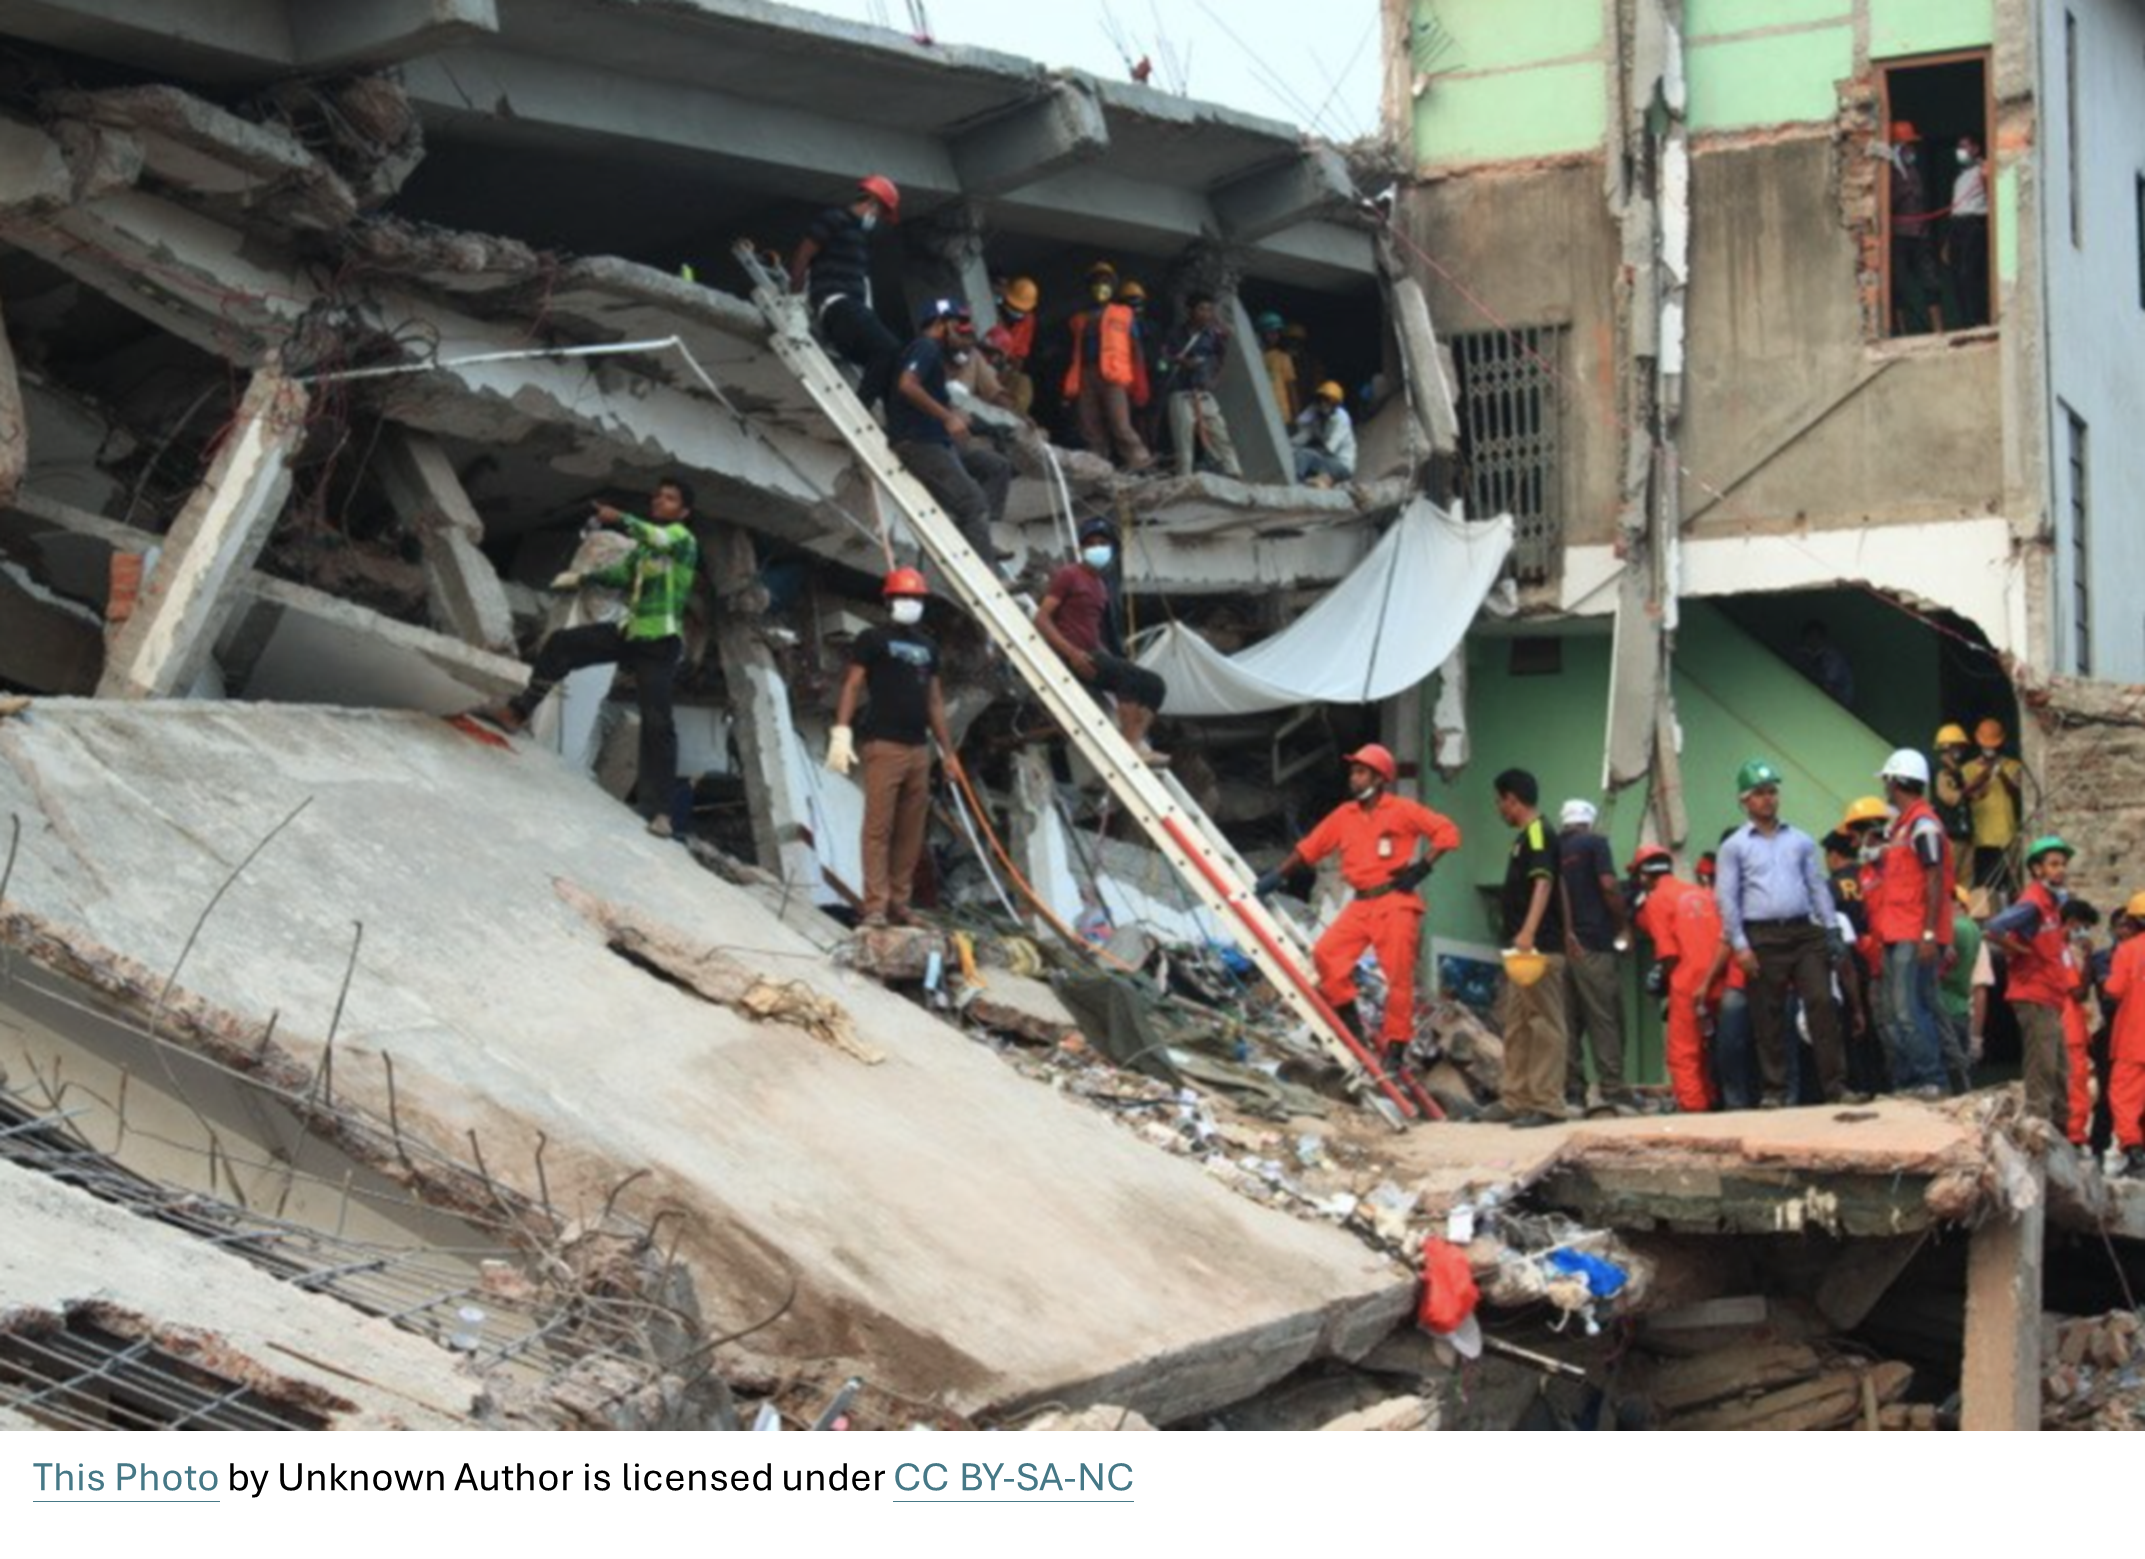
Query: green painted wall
point(1709, 18)
point(1777, 78)
point(1521, 78)
point(1735, 700)
point(1898, 27)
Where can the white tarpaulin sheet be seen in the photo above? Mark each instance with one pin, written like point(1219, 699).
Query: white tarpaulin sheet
point(1380, 631)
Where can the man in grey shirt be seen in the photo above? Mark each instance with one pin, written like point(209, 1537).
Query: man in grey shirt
point(1776, 920)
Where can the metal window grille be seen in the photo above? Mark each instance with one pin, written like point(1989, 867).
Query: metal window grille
point(1512, 425)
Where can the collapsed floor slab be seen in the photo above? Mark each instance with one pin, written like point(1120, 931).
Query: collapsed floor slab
point(935, 1222)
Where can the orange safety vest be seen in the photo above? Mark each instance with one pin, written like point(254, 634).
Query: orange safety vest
point(1121, 360)
point(1898, 899)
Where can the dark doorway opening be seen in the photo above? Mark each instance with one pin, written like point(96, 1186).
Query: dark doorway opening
point(1939, 196)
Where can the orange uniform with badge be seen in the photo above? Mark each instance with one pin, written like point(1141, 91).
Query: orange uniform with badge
point(1683, 923)
point(1375, 842)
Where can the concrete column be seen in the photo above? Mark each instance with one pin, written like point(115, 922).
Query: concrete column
point(209, 553)
point(1034, 798)
point(466, 596)
point(1247, 401)
point(759, 708)
point(946, 260)
point(2000, 1376)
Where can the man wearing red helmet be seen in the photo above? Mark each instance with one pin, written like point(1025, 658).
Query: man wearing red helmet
point(834, 258)
point(1684, 925)
point(894, 671)
point(1376, 833)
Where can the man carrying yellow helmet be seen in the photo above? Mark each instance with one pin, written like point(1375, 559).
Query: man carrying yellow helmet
point(1993, 790)
point(1948, 794)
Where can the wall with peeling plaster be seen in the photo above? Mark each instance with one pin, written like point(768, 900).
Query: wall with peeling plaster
point(1519, 78)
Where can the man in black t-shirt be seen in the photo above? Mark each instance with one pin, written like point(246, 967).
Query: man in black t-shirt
point(1596, 931)
point(894, 671)
point(967, 477)
point(835, 259)
point(1535, 1040)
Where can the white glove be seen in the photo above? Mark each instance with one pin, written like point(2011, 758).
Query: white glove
point(567, 581)
point(841, 750)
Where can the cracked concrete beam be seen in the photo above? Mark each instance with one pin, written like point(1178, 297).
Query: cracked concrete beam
point(464, 589)
point(299, 645)
point(206, 151)
point(1062, 127)
point(1262, 204)
point(212, 286)
point(384, 32)
point(161, 649)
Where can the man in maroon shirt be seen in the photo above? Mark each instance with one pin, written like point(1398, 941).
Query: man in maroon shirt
point(1076, 620)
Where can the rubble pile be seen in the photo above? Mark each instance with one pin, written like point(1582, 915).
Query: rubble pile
point(2093, 1374)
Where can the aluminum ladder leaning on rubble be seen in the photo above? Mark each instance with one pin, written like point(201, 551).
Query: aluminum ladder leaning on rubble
point(1177, 827)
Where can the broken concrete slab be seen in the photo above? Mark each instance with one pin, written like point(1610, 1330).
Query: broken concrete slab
point(211, 547)
point(14, 423)
point(66, 1249)
point(296, 645)
point(910, 1216)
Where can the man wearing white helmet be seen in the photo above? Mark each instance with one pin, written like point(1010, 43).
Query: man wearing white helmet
point(1910, 916)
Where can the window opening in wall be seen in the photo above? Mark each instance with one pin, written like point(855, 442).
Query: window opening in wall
point(2081, 546)
point(2141, 240)
point(1510, 431)
point(1937, 190)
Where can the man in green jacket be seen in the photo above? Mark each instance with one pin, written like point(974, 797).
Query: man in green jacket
point(657, 577)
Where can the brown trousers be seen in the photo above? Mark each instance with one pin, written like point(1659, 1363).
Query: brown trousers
point(2040, 1038)
point(1106, 417)
point(1536, 1040)
point(897, 803)
point(1597, 1006)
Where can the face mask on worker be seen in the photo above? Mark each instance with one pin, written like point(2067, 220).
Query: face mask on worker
point(1369, 792)
point(1966, 156)
point(907, 610)
point(868, 220)
point(1103, 291)
point(1096, 556)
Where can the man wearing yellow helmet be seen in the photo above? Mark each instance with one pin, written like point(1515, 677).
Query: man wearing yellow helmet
point(1325, 440)
point(1948, 793)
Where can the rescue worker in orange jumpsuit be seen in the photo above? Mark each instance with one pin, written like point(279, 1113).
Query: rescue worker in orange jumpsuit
point(1107, 376)
point(2126, 1048)
point(2079, 918)
point(1375, 833)
point(1684, 925)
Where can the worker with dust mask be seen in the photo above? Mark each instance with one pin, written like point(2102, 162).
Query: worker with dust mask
point(893, 672)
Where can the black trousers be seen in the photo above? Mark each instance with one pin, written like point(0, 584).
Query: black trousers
point(654, 664)
point(1128, 680)
point(1794, 955)
point(1969, 244)
point(970, 484)
point(861, 336)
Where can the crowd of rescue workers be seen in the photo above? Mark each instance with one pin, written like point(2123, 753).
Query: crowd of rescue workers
point(1878, 958)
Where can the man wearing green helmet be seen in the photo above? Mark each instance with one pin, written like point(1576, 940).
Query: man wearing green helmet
point(2038, 981)
point(1776, 912)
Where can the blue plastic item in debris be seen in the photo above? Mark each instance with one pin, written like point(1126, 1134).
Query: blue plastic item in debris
point(1603, 1278)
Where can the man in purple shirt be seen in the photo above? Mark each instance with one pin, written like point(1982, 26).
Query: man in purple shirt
point(1776, 918)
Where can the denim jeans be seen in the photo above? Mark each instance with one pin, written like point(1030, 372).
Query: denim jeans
point(1913, 1031)
point(1734, 1059)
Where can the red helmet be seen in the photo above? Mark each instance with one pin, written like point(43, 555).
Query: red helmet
point(1650, 858)
point(904, 581)
point(1376, 759)
point(881, 188)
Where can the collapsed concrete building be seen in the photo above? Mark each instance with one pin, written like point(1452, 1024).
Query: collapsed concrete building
point(323, 329)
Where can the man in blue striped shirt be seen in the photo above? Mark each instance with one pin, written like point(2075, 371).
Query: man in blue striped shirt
point(1777, 923)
